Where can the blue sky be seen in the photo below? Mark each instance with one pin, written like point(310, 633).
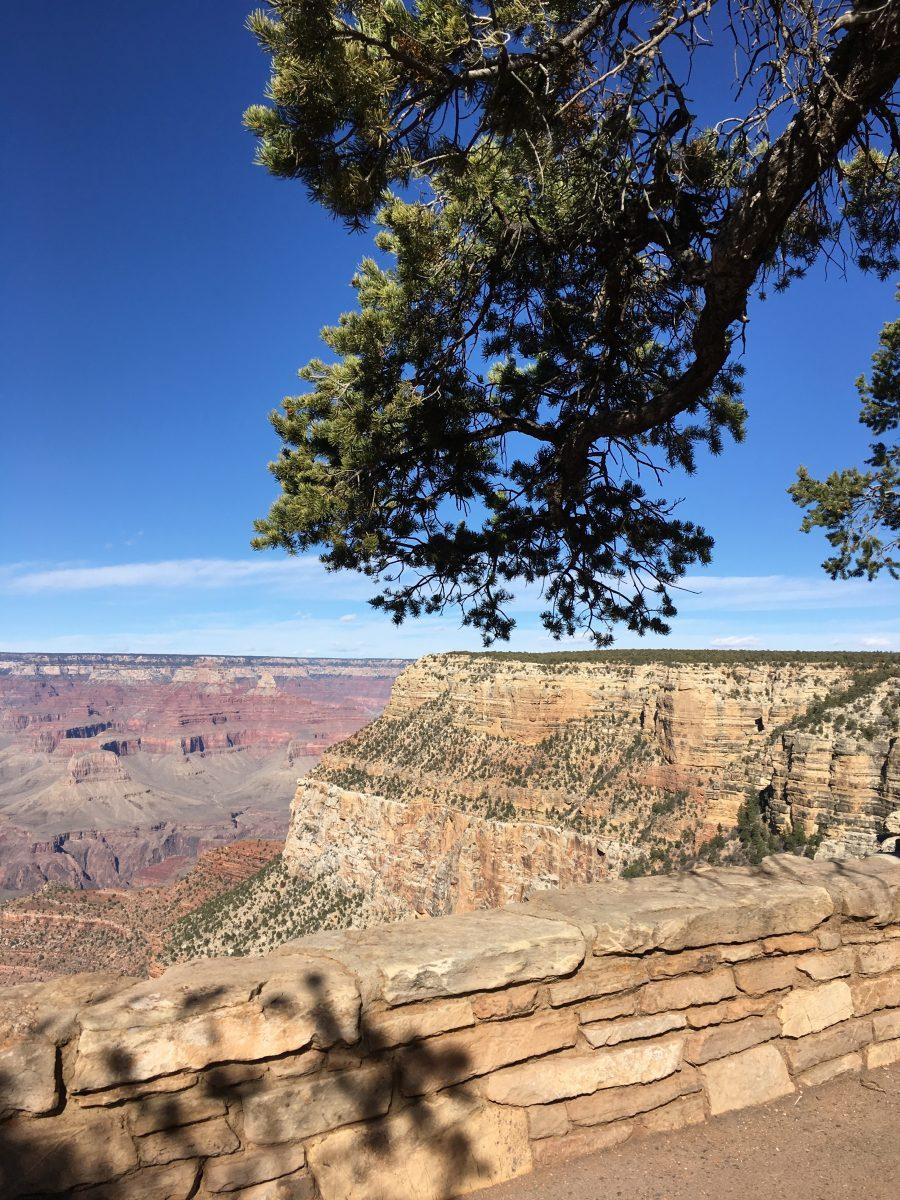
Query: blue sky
point(160, 292)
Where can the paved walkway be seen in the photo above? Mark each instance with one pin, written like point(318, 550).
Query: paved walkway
point(838, 1142)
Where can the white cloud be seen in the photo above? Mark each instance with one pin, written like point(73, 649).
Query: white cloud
point(301, 573)
point(306, 574)
point(778, 593)
point(274, 605)
point(10, 571)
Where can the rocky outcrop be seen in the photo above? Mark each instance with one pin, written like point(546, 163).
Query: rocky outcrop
point(489, 776)
point(424, 1060)
point(426, 859)
point(95, 767)
point(89, 858)
point(841, 772)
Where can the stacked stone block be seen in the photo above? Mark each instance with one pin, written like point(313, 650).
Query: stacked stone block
point(428, 1059)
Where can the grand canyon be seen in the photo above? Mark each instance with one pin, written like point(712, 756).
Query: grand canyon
point(112, 764)
point(489, 777)
point(532, 910)
point(486, 779)
point(118, 771)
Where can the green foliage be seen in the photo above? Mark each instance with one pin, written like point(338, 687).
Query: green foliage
point(712, 849)
point(758, 838)
point(564, 266)
point(563, 659)
point(669, 804)
point(860, 510)
point(636, 869)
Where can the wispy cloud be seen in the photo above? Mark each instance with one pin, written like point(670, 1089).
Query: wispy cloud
point(298, 574)
point(270, 605)
point(305, 574)
point(777, 593)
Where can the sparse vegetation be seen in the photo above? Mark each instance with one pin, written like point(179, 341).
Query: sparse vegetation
point(861, 687)
point(266, 910)
point(840, 658)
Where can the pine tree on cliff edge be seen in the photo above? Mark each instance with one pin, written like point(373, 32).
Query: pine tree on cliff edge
point(569, 237)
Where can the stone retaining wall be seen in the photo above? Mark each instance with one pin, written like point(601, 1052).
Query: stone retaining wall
point(425, 1060)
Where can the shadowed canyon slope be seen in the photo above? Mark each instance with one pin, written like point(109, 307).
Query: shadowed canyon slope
point(113, 765)
point(57, 929)
point(490, 776)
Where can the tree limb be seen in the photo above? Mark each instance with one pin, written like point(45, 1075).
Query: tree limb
point(863, 68)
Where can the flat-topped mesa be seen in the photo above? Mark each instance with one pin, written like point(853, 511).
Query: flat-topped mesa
point(488, 776)
point(424, 1060)
point(191, 668)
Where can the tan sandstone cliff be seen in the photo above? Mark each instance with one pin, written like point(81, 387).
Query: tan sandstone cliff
point(489, 776)
point(841, 772)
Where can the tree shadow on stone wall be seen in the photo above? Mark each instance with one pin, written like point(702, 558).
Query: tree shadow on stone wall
point(133, 1138)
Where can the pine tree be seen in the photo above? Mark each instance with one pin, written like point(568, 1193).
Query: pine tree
point(566, 253)
point(860, 510)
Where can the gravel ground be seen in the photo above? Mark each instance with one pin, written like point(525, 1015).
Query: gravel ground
point(840, 1141)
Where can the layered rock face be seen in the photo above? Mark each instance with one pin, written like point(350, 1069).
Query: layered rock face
point(424, 857)
point(842, 772)
point(489, 776)
point(113, 749)
point(702, 721)
point(425, 1060)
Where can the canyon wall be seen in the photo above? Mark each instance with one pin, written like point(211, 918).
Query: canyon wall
point(488, 776)
point(113, 764)
point(848, 783)
point(424, 1060)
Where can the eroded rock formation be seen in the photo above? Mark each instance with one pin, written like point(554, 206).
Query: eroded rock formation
point(140, 757)
point(843, 780)
point(489, 776)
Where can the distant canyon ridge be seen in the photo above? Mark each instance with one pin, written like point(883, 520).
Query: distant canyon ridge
point(118, 769)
